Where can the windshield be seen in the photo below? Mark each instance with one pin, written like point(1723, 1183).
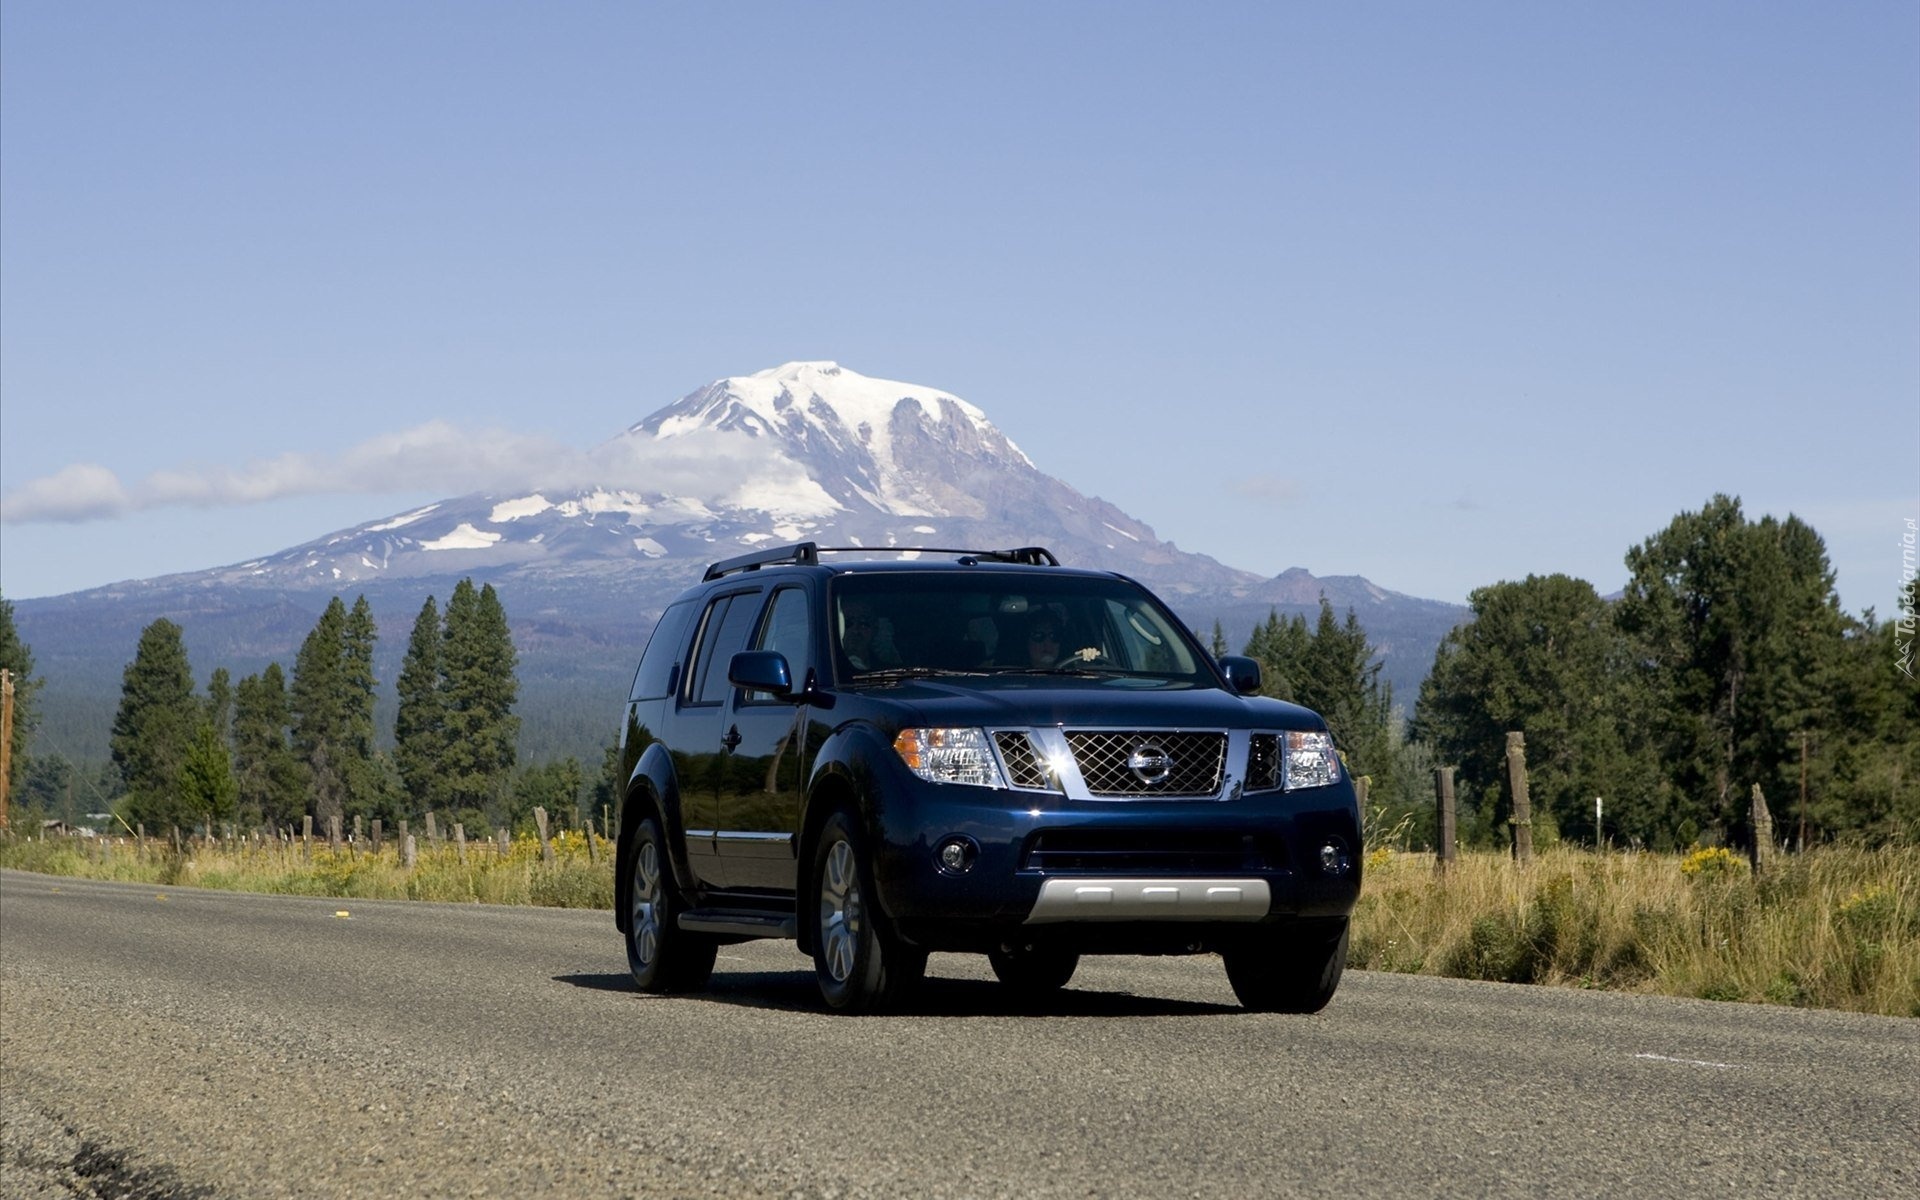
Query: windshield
point(971, 621)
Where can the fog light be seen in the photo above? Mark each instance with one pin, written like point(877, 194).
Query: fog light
point(1333, 857)
point(956, 855)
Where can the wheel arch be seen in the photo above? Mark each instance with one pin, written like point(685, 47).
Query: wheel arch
point(833, 791)
point(652, 790)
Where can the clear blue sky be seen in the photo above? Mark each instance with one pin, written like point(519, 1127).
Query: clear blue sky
point(1436, 294)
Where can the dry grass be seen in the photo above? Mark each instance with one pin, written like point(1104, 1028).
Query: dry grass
point(487, 876)
point(1834, 928)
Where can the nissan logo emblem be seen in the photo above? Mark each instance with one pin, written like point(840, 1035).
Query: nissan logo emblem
point(1150, 762)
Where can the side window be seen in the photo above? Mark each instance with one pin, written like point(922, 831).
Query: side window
point(726, 633)
point(654, 679)
point(787, 630)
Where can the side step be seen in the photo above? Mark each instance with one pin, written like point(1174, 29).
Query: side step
point(740, 924)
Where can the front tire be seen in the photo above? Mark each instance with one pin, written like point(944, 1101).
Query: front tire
point(861, 964)
point(1296, 971)
point(662, 956)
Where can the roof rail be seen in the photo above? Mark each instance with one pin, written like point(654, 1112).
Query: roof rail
point(805, 554)
point(1026, 556)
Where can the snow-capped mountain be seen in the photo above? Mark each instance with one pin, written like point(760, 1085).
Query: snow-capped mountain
point(809, 451)
point(585, 561)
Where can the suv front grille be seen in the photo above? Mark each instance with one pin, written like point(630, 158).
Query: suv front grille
point(1263, 762)
point(1149, 762)
point(1024, 768)
point(1152, 852)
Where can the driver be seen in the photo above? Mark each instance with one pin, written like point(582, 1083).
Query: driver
point(1043, 640)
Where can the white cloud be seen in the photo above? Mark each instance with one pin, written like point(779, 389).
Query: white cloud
point(81, 492)
point(436, 456)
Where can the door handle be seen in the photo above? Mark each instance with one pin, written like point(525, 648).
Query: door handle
point(732, 739)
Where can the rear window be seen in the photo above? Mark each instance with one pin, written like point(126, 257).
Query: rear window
point(654, 679)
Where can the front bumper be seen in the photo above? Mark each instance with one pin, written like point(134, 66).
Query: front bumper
point(1168, 869)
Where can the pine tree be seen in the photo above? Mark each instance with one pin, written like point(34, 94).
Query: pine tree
point(1218, 646)
point(319, 704)
point(17, 658)
point(477, 667)
point(155, 726)
point(1280, 646)
point(366, 793)
point(220, 702)
point(207, 790)
point(419, 729)
point(267, 775)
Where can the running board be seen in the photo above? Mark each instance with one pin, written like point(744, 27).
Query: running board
point(743, 924)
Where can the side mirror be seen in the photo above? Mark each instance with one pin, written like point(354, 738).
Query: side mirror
point(1242, 673)
point(761, 671)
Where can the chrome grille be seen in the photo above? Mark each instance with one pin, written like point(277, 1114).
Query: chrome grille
point(1024, 768)
point(1263, 762)
point(1149, 762)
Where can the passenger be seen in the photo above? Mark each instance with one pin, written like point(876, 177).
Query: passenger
point(856, 634)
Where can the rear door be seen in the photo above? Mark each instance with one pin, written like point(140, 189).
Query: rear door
point(700, 755)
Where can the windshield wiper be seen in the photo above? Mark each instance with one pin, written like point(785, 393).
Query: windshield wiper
point(1084, 670)
point(891, 674)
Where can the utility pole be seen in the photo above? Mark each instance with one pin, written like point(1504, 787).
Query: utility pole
point(6, 743)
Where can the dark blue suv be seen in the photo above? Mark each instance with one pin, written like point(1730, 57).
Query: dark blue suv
point(975, 751)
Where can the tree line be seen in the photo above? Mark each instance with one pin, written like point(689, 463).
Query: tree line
point(1726, 663)
point(276, 747)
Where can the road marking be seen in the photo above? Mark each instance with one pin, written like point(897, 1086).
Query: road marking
point(1693, 1062)
point(343, 914)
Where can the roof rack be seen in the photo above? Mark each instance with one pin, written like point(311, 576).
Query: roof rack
point(807, 554)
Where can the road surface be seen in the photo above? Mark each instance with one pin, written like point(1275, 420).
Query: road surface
point(173, 1042)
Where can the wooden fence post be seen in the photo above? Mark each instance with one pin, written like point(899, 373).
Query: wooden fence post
point(1443, 786)
point(593, 855)
point(141, 834)
point(540, 823)
point(410, 853)
point(505, 842)
point(1762, 820)
point(376, 832)
point(333, 833)
point(405, 833)
point(433, 830)
point(1522, 818)
point(306, 836)
point(460, 842)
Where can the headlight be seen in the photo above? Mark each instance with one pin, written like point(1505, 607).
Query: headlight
point(1311, 761)
point(950, 756)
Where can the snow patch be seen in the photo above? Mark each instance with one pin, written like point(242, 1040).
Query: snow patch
point(463, 537)
point(525, 506)
point(403, 519)
point(925, 529)
point(649, 547)
point(1123, 533)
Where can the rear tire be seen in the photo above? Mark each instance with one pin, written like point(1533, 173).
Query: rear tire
point(1033, 970)
point(861, 964)
point(1296, 971)
point(662, 956)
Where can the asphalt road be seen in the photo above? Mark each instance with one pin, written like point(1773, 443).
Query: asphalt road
point(174, 1042)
